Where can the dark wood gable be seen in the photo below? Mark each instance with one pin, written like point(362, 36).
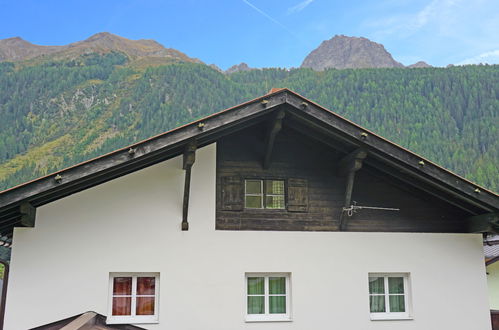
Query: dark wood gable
point(315, 192)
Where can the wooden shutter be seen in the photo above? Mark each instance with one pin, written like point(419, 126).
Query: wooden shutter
point(232, 193)
point(297, 195)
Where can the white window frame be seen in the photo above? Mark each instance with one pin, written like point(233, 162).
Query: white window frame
point(387, 315)
point(137, 319)
point(267, 317)
point(263, 195)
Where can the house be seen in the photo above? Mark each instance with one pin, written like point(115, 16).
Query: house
point(274, 214)
point(85, 321)
point(491, 250)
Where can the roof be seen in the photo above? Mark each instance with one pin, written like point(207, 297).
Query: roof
point(301, 114)
point(85, 321)
point(491, 249)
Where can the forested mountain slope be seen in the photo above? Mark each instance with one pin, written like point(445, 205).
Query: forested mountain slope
point(57, 113)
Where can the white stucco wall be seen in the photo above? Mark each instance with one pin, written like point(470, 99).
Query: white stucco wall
point(132, 224)
point(493, 282)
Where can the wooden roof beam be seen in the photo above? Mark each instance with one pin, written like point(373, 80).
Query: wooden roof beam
point(28, 215)
point(351, 162)
point(144, 153)
point(403, 182)
point(412, 162)
point(317, 136)
point(273, 129)
point(348, 165)
point(189, 158)
point(484, 223)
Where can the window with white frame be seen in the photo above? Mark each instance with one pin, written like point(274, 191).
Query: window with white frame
point(133, 298)
point(389, 296)
point(264, 194)
point(268, 297)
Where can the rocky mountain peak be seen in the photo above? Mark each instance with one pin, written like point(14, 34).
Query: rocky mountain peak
point(102, 35)
point(17, 49)
point(14, 40)
point(420, 64)
point(216, 67)
point(238, 67)
point(342, 52)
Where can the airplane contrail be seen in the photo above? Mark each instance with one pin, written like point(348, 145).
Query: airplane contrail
point(268, 16)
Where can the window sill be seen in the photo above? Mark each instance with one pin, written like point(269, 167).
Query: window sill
point(262, 210)
point(391, 317)
point(250, 319)
point(131, 321)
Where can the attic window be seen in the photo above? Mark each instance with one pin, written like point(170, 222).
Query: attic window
point(264, 194)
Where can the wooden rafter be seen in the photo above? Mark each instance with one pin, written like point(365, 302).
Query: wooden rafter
point(326, 120)
point(484, 223)
point(274, 128)
point(28, 215)
point(348, 165)
point(404, 181)
point(351, 162)
point(189, 157)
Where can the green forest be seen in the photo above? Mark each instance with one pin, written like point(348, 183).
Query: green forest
point(58, 113)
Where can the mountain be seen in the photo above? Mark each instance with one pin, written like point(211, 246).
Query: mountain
point(17, 49)
point(216, 67)
point(342, 52)
point(90, 97)
point(420, 64)
point(238, 68)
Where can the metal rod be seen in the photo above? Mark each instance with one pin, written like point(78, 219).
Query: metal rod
point(350, 210)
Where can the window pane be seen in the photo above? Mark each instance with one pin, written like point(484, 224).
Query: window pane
point(122, 286)
point(256, 305)
point(277, 304)
point(274, 202)
point(395, 285)
point(253, 186)
point(145, 306)
point(254, 202)
point(277, 285)
point(122, 305)
point(256, 285)
point(145, 285)
point(274, 187)
point(376, 285)
point(377, 304)
point(397, 304)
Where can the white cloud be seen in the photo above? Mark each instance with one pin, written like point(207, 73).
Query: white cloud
point(439, 31)
point(299, 7)
point(491, 57)
point(441, 15)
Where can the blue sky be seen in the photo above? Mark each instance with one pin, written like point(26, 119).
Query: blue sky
point(266, 33)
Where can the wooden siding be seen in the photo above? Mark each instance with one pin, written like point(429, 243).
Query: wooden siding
point(296, 156)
